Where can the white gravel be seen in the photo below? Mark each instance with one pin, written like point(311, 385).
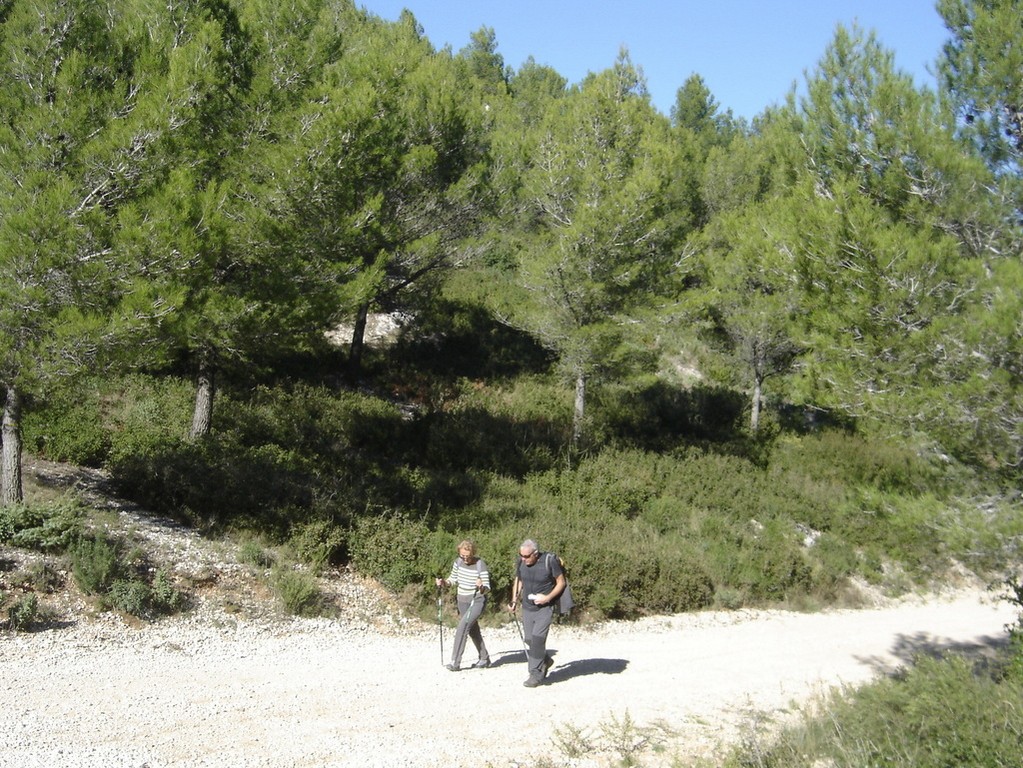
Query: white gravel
point(234, 684)
point(213, 690)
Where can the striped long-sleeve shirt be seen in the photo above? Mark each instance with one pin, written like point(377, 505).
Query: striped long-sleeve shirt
point(465, 576)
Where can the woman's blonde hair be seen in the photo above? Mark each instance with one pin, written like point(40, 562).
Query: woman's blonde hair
point(468, 544)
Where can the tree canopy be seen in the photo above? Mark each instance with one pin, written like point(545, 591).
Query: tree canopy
point(187, 184)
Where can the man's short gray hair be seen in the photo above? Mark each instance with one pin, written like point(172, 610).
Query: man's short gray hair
point(528, 544)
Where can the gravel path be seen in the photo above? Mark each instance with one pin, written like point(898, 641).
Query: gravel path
point(211, 690)
point(232, 683)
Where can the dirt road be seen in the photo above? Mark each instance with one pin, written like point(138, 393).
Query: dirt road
point(214, 690)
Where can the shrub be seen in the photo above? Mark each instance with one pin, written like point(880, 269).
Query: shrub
point(144, 600)
point(1014, 662)
point(319, 543)
point(681, 585)
point(513, 430)
point(42, 577)
point(129, 596)
point(148, 416)
point(939, 713)
point(50, 527)
point(216, 485)
point(653, 415)
point(253, 553)
point(297, 591)
point(95, 564)
point(397, 551)
point(165, 598)
point(854, 460)
point(22, 615)
point(67, 425)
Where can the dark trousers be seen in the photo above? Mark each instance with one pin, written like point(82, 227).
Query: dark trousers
point(535, 626)
point(470, 611)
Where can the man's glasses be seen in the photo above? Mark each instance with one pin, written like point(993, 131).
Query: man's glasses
point(527, 557)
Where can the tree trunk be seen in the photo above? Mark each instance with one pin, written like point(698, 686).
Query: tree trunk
point(754, 419)
point(202, 416)
point(10, 450)
point(358, 342)
point(580, 410)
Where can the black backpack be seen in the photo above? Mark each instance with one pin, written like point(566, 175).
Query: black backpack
point(564, 604)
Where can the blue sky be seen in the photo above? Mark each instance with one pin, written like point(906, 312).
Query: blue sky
point(748, 52)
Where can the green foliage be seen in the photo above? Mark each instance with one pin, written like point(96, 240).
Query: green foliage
point(621, 739)
point(129, 596)
point(145, 600)
point(23, 613)
point(67, 426)
point(654, 416)
point(786, 519)
point(513, 430)
point(1014, 664)
point(279, 459)
point(319, 543)
point(164, 596)
point(42, 576)
point(102, 568)
point(147, 416)
point(50, 527)
point(837, 456)
point(96, 563)
point(939, 713)
point(297, 591)
point(253, 553)
point(396, 550)
point(852, 231)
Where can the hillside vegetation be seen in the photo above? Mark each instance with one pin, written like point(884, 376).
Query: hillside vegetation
point(673, 506)
point(710, 362)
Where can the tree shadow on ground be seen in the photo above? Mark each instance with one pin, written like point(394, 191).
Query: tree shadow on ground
point(982, 651)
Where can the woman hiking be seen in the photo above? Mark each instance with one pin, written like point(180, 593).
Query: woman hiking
point(472, 578)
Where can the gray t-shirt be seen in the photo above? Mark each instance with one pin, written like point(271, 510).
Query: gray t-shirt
point(539, 578)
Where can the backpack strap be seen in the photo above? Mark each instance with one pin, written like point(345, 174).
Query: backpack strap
point(547, 562)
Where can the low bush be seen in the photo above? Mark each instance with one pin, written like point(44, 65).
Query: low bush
point(514, 430)
point(49, 527)
point(652, 415)
point(297, 591)
point(693, 510)
point(1014, 660)
point(130, 596)
point(67, 425)
point(940, 713)
point(23, 613)
point(253, 553)
point(398, 551)
point(96, 564)
point(139, 598)
point(319, 543)
point(147, 416)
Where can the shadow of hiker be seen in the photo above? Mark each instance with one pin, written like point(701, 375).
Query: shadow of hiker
point(908, 648)
point(584, 667)
point(501, 658)
point(571, 669)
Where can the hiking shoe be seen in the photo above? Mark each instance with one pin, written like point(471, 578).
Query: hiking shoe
point(532, 682)
point(481, 664)
point(452, 667)
point(548, 662)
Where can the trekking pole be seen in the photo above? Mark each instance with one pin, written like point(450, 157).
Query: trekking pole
point(440, 623)
point(522, 637)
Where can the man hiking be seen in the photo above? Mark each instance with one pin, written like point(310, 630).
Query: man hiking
point(539, 580)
